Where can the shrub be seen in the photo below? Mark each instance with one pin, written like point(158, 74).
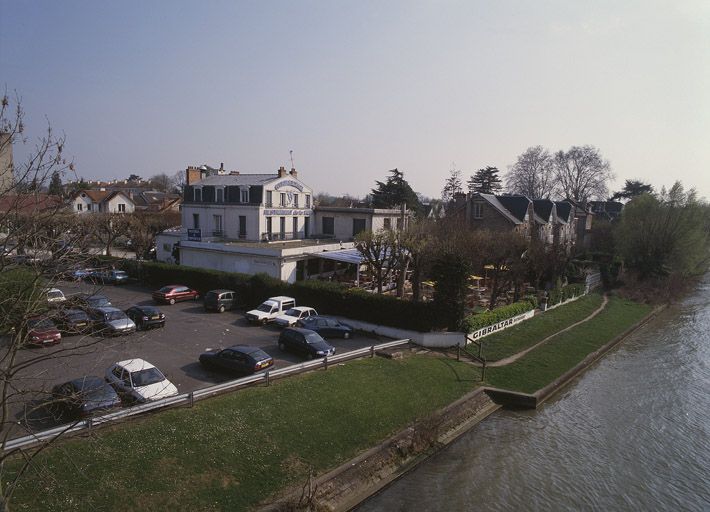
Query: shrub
point(565, 292)
point(474, 322)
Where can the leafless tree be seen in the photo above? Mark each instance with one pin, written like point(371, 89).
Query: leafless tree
point(582, 173)
point(161, 182)
point(381, 251)
point(145, 226)
point(178, 182)
point(105, 227)
point(533, 174)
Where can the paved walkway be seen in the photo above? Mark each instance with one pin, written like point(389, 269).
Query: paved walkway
point(515, 357)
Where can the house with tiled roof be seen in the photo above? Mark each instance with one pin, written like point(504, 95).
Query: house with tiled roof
point(155, 201)
point(498, 213)
point(545, 220)
point(101, 201)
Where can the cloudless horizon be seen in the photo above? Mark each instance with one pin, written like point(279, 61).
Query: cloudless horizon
point(358, 88)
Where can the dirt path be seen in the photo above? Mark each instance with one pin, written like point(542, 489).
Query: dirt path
point(515, 357)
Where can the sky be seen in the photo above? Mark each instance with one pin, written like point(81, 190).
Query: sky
point(356, 88)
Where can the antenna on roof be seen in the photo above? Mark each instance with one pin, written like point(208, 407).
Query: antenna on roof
point(290, 152)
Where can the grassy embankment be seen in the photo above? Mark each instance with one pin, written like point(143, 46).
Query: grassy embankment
point(233, 451)
point(519, 337)
point(549, 361)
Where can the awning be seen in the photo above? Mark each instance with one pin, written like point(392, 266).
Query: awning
point(352, 256)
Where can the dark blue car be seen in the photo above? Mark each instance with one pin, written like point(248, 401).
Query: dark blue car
point(327, 327)
point(84, 396)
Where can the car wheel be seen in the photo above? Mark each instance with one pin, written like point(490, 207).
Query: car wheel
point(263, 322)
point(282, 347)
point(171, 301)
point(346, 335)
point(221, 309)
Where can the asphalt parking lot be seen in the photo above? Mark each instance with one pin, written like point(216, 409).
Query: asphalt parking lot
point(189, 330)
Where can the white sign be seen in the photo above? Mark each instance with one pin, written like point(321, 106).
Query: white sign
point(504, 324)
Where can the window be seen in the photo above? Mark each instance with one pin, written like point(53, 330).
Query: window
point(282, 226)
point(328, 225)
point(269, 198)
point(79, 207)
point(198, 195)
point(477, 210)
point(295, 200)
point(306, 226)
point(88, 207)
point(217, 225)
point(220, 195)
point(308, 200)
point(121, 208)
point(283, 199)
point(295, 226)
point(196, 220)
point(388, 223)
point(242, 226)
point(358, 226)
point(245, 195)
point(269, 226)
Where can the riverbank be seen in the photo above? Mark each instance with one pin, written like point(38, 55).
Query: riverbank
point(239, 450)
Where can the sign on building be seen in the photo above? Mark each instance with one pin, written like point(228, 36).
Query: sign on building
point(194, 235)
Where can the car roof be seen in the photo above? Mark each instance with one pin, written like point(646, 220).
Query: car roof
point(54, 290)
point(88, 380)
point(221, 290)
point(301, 330)
point(144, 306)
point(302, 308)
point(134, 365)
point(245, 349)
point(281, 298)
point(175, 286)
point(73, 311)
point(316, 317)
point(106, 309)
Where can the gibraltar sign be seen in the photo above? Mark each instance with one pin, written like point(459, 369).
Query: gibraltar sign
point(504, 324)
point(289, 183)
point(282, 212)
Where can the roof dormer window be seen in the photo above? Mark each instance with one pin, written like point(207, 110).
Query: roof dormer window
point(198, 195)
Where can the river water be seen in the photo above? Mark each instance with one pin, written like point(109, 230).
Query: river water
point(632, 433)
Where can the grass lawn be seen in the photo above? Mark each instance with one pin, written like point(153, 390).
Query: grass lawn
point(233, 451)
point(547, 362)
point(519, 337)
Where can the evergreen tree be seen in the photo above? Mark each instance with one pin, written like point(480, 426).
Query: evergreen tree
point(485, 181)
point(452, 186)
point(631, 189)
point(394, 192)
point(55, 185)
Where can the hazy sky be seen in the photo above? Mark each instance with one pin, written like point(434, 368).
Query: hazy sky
point(357, 88)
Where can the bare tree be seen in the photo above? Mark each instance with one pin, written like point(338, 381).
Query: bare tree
point(582, 173)
point(145, 226)
point(533, 174)
point(105, 227)
point(161, 182)
point(381, 252)
point(418, 242)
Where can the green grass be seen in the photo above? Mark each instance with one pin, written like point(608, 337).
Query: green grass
point(233, 451)
point(519, 337)
point(547, 362)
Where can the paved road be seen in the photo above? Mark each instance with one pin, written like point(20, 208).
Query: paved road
point(174, 349)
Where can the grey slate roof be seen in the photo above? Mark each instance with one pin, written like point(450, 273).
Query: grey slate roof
point(516, 205)
point(494, 201)
point(543, 210)
point(238, 179)
point(564, 208)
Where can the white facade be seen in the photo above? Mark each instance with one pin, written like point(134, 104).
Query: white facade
point(88, 201)
point(344, 223)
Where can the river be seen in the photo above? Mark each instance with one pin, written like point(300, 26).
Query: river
point(632, 433)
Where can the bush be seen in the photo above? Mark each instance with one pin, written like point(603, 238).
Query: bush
point(564, 293)
point(474, 322)
point(326, 297)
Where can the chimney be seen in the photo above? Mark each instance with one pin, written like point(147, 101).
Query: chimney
point(221, 166)
point(294, 172)
point(192, 175)
point(282, 171)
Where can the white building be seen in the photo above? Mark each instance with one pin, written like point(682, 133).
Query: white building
point(264, 223)
point(102, 201)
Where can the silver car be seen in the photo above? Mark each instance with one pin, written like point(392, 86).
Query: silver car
point(111, 321)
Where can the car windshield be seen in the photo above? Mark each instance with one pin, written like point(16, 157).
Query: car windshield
point(211, 296)
point(259, 355)
point(115, 315)
point(77, 316)
point(292, 312)
point(98, 301)
point(146, 377)
point(147, 310)
point(43, 323)
point(313, 338)
point(55, 294)
point(265, 308)
point(95, 390)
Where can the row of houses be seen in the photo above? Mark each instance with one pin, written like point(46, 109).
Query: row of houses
point(123, 201)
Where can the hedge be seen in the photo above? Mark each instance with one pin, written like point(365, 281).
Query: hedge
point(326, 297)
point(566, 292)
point(474, 322)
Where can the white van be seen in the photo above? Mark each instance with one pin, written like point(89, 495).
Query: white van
point(270, 309)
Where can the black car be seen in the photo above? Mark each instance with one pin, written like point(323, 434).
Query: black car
point(239, 359)
point(107, 276)
point(327, 327)
point(84, 396)
point(89, 301)
point(72, 321)
point(220, 300)
point(304, 342)
point(146, 317)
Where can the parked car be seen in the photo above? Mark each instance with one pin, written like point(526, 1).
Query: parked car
point(175, 293)
point(110, 321)
point(239, 359)
point(293, 315)
point(55, 297)
point(304, 342)
point(84, 396)
point(108, 277)
point(270, 309)
point(77, 274)
point(89, 301)
point(73, 321)
point(139, 381)
point(41, 332)
point(327, 327)
point(220, 300)
point(146, 317)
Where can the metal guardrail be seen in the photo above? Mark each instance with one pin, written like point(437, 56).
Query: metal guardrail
point(189, 398)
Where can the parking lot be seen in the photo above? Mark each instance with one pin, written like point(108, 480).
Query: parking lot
point(189, 330)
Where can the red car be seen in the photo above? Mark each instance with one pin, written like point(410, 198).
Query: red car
point(42, 331)
point(175, 293)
